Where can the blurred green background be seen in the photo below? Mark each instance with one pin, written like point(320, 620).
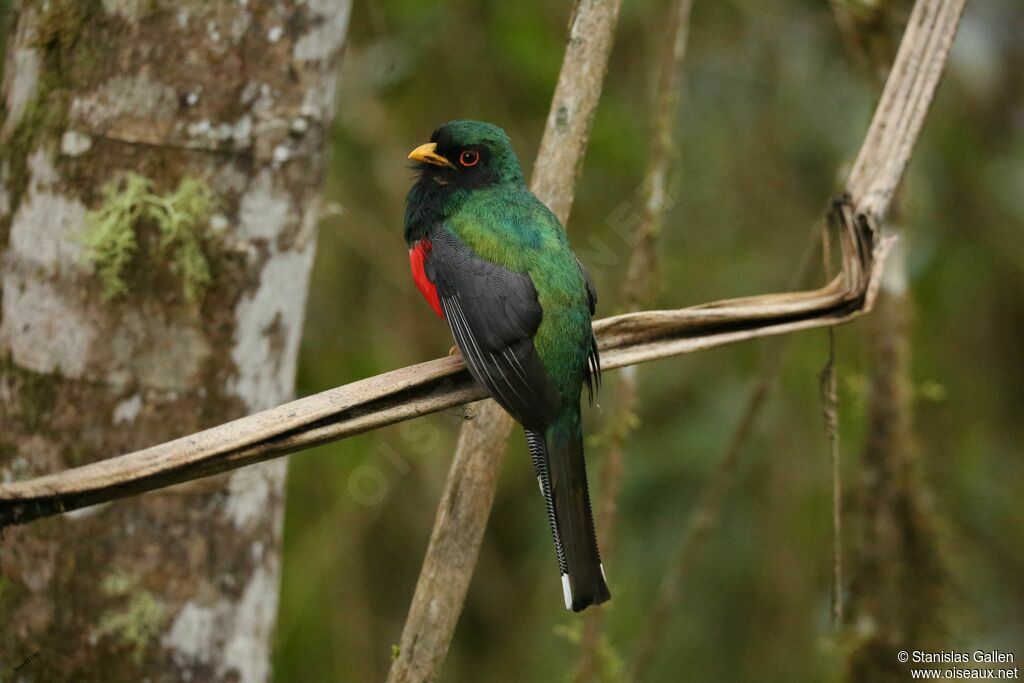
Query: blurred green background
point(773, 110)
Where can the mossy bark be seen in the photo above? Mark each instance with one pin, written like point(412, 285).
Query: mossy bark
point(179, 584)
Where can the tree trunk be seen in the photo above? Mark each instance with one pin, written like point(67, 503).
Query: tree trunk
point(159, 172)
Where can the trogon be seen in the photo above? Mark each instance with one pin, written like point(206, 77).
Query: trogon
point(494, 262)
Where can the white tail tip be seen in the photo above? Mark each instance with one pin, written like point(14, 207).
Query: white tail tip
point(603, 575)
point(566, 593)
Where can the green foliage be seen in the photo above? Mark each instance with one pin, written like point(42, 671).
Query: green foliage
point(182, 221)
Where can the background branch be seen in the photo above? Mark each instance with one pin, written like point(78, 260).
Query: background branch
point(640, 279)
point(480, 452)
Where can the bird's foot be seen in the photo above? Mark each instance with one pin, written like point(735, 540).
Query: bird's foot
point(454, 351)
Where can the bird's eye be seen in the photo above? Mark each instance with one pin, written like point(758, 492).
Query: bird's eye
point(469, 157)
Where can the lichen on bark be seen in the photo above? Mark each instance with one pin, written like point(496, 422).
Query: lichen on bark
point(138, 622)
point(182, 220)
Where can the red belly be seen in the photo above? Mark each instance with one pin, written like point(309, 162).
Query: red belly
point(417, 255)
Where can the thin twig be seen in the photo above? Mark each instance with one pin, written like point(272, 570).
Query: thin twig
point(640, 271)
point(830, 413)
point(455, 541)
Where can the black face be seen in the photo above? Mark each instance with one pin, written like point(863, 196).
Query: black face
point(461, 155)
point(472, 163)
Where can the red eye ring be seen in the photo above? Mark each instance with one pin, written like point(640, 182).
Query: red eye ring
point(469, 157)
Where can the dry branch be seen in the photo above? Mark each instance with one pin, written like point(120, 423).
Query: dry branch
point(443, 383)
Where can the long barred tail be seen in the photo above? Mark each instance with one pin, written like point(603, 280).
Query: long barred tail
point(562, 475)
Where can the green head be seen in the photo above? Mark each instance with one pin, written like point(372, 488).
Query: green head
point(468, 155)
point(461, 159)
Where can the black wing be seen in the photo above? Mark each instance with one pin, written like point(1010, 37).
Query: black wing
point(592, 371)
point(493, 313)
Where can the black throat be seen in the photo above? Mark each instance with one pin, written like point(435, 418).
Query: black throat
point(425, 205)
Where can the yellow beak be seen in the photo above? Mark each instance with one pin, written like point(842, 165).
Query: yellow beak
point(427, 154)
